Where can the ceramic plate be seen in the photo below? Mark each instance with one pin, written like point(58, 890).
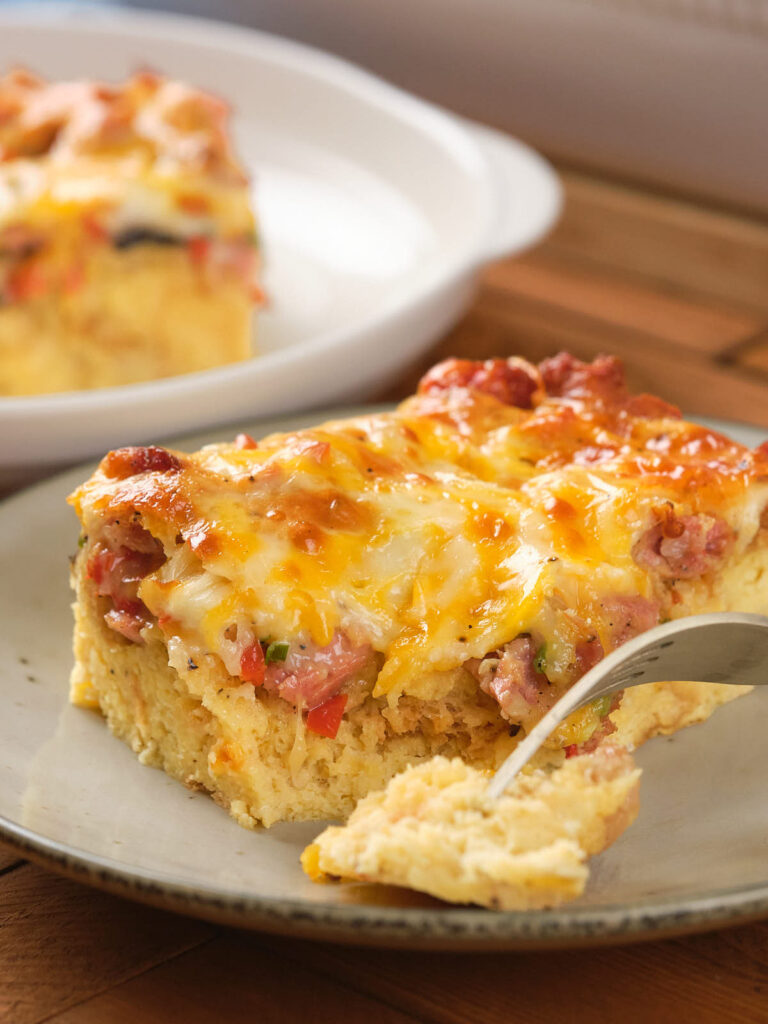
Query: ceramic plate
point(376, 213)
point(76, 798)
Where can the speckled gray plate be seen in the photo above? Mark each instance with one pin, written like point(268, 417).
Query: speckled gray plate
point(77, 800)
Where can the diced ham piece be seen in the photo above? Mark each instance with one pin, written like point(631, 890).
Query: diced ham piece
point(513, 381)
point(129, 620)
point(628, 616)
point(313, 675)
point(587, 654)
point(565, 376)
point(683, 547)
point(117, 573)
point(116, 567)
point(130, 535)
point(511, 678)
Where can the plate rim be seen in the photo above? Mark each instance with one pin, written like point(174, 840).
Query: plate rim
point(461, 928)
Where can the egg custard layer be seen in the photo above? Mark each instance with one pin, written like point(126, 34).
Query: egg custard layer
point(127, 241)
point(435, 829)
point(287, 624)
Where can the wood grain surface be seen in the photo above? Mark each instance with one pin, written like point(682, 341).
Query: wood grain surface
point(681, 293)
point(678, 291)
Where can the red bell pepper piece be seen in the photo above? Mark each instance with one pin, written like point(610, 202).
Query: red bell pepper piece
point(252, 665)
point(326, 718)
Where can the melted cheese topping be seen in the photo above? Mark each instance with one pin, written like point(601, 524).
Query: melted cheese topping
point(436, 533)
point(150, 152)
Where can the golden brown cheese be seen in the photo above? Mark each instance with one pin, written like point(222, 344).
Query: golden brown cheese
point(447, 530)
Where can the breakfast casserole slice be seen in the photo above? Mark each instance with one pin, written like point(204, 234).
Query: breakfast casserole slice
point(127, 242)
point(287, 624)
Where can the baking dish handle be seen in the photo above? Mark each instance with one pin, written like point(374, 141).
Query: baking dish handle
point(528, 193)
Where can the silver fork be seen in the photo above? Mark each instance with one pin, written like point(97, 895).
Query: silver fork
point(723, 647)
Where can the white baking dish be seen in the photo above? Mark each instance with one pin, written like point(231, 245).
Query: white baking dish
point(377, 211)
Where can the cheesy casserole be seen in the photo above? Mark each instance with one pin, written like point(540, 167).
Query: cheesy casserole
point(127, 242)
point(288, 623)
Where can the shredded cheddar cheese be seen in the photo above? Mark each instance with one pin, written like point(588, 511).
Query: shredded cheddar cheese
point(419, 531)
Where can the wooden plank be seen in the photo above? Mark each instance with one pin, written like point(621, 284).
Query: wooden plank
point(61, 943)
point(721, 978)
point(670, 241)
point(753, 356)
point(236, 977)
point(9, 858)
point(621, 301)
point(715, 979)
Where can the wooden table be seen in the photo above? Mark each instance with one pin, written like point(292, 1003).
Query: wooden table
point(681, 292)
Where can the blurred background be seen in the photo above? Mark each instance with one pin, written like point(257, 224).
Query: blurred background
point(671, 92)
point(654, 115)
point(653, 112)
